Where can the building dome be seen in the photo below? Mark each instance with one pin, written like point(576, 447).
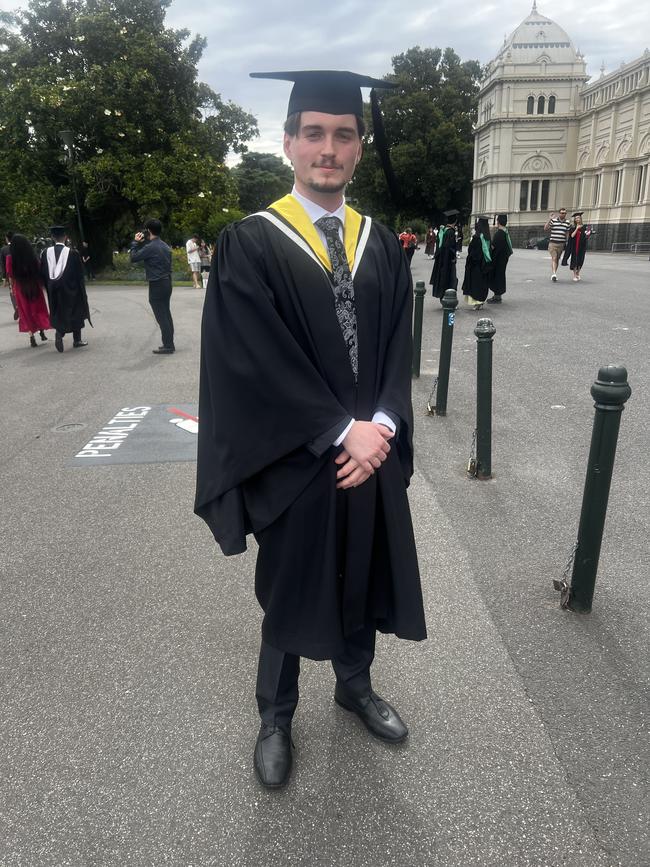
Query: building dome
point(537, 36)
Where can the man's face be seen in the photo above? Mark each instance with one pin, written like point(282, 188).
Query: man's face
point(563, 213)
point(325, 152)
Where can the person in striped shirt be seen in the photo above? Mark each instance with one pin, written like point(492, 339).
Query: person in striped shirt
point(559, 227)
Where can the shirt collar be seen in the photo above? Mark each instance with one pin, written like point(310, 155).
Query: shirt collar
point(315, 212)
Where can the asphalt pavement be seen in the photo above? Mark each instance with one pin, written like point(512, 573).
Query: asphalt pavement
point(129, 643)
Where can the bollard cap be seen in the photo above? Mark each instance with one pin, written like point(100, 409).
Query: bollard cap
point(450, 300)
point(485, 329)
point(420, 288)
point(611, 389)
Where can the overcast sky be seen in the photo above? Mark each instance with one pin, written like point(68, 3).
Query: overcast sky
point(361, 36)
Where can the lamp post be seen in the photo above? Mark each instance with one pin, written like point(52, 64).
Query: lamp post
point(67, 137)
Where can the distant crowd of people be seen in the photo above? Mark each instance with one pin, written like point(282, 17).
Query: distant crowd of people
point(488, 254)
point(47, 290)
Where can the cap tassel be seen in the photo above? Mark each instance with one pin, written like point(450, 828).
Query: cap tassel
point(379, 136)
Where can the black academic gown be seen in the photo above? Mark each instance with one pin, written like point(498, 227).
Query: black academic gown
point(275, 378)
point(477, 271)
point(575, 250)
point(501, 252)
point(443, 275)
point(67, 297)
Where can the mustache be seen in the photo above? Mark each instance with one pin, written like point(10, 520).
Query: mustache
point(326, 165)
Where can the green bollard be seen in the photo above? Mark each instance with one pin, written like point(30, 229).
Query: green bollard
point(484, 332)
point(449, 305)
point(610, 391)
point(418, 311)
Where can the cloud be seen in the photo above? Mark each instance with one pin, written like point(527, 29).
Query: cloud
point(268, 35)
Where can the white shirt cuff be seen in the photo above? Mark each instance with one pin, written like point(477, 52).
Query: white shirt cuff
point(339, 440)
point(381, 418)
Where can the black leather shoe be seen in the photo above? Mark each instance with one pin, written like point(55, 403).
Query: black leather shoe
point(380, 718)
point(163, 350)
point(43, 336)
point(496, 299)
point(58, 342)
point(79, 343)
point(272, 758)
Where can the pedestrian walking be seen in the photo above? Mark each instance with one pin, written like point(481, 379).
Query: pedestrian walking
point(205, 252)
point(149, 248)
point(559, 227)
point(478, 265)
point(443, 275)
point(24, 274)
point(193, 250)
point(459, 239)
point(409, 242)
point(430, 243)
point(501, 251)
point(86, 258)
point(576, 246)
point(4, 252)
point(63, 274)
point(306, 425)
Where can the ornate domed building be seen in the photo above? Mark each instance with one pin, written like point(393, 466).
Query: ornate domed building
point(548, 137)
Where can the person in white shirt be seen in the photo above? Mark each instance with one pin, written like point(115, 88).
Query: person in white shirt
point(193, 249)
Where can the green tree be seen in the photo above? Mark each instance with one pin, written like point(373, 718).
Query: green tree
point(261, 179)
point(429, 123)
point(149, 138)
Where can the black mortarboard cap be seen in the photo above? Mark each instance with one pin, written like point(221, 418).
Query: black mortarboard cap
point(451, 213)
point(577, 214)
point(326, 90)
point(58, 230)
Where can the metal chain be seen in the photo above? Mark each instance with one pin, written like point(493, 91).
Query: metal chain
point(562, 584)
point(431, 403)
point(472, 467)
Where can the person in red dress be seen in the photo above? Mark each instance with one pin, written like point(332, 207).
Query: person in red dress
point(24, 273)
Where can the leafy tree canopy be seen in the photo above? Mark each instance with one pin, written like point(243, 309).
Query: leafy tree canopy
point(149, 138)
point(261, 179)
point(429, 123)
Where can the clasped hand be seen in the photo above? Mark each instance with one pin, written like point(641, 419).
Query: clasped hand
point(365, 448)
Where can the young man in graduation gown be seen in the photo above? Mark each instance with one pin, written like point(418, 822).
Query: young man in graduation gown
point(501, 251)
point(306, 425)
point(63, 275)
point(443, 276)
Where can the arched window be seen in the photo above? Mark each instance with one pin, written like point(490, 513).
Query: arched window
point(530, 107)
point(551, 105)
point(540, 105)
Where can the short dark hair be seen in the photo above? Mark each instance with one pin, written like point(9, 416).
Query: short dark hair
point(154, 226)
point(59, 235)
point(292, 124)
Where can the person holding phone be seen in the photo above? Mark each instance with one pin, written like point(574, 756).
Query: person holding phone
point(148, 247)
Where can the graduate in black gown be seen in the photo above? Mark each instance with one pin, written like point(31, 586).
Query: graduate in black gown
point(305, 438)
point(443, 275)
point(501, 252)
point(576, 245)
point(63, 275)
point(478, 265)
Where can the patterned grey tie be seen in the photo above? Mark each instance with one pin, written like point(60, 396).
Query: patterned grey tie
point(343, 288)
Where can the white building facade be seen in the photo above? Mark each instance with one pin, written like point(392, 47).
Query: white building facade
point(546, 137)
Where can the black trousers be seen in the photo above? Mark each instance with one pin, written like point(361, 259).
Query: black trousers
point(278, 672)
point(160, 293)
point(76, 334)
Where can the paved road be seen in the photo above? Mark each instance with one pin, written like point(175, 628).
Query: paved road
point(129, 643)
